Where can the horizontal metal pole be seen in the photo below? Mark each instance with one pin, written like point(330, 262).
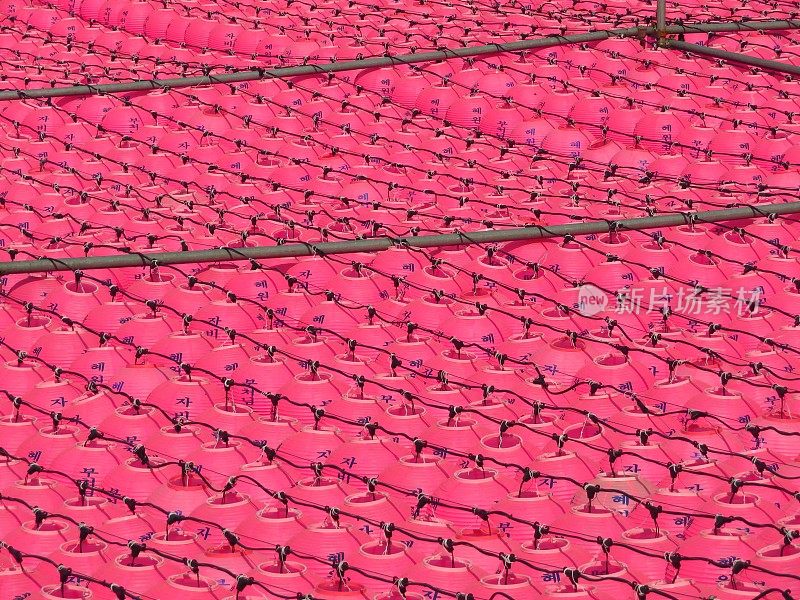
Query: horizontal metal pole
point(722, 27)
point(387, 61)
point(384, 243)
point(736, 57)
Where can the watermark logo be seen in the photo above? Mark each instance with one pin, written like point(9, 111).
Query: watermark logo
point(591, 300)
point(697, 301)
point(687, 301)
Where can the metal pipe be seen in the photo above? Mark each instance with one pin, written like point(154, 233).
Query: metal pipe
point(387, 61)
point(384, 243)
point(661, 19)
point(737, 57)
point(768, 25)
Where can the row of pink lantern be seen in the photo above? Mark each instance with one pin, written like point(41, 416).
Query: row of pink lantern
point(298, 443)
point(561, 265)
point(664, 132)
point(687, 83)
point(662, 87)
point(602, 62)
point(562, 359)
point(773, 147)
point(770, 154)
point(705, 172)
point(470, 485)
point(618, 57)
point(484, 332)
point(550, 269)
point(283, 35)
point(217, 33)
point(212, 165)
point(637, 312)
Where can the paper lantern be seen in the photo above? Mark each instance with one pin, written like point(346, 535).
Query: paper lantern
point(227, 510)
point(144, 572)
point(328, 540)
point(478, 488)
point(288, 575)
point(445, 572)
point(725, 544)
point(379, 557)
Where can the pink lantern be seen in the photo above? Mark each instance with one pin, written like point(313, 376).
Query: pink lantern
point(289, 575)
point(316, 389)
point(481, 541)
point(562, 463)
point(506, 448)
point(617, 370)
point(177, 543)
point(459, 434)
point(648, 564)
point(272, 525)
point(746, 505)
point(778, 559)
point(99, 363)
point(605, 577)
point(186, 585)
point(184, 493)
point(132, 525)
point(16, 580)
point(56, 591)
point(735, 590)
point(445, 572)
point(23, 375)
point(24, 333)
point(365, 458)
point(227, 510)
point(591, 522)
point(177, 347)
point(420, 471)
point(219, 459)
point(724, 543)
point(373, 507)
point(569, 591)
point(42, 538)
point(187, 395)
point(310, 445)
point(136, 479)
point(90, 460)
point(265, 373)
point(326, 539)
point(61, 346)
point(326, 491)
point(50, 442)
point(144, 572)
point(479, 488)
point(11, 471)
point(554, 554)
point(686, 503)
point(84, 556)
point(144, 329)
point(678, 586)
point(231, 418)
point(380, 557)
point(624, 486)
point(57, 393)
point(16, 429)
point(110, 316)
